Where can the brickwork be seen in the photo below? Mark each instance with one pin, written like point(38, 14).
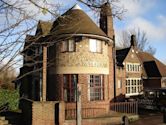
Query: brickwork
point(122, 74)
point(111, 74)
point(81, 61)
point(152, 83)
point(43, 113)
point(120, 83)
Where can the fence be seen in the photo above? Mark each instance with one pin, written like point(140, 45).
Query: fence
point(87, 112)
point(125, 107)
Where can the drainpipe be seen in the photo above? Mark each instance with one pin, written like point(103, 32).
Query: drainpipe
point(114, 67)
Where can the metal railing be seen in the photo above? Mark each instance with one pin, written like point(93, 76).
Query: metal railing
point(92, 112)
point(125, 107)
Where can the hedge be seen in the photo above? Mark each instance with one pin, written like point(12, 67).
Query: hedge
point(11, 97)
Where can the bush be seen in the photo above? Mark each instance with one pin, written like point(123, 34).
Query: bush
point(11, 97)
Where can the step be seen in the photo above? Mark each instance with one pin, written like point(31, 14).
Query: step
point(5, 122)
point(2, 118)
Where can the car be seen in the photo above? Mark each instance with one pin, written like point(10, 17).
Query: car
point(154, 99)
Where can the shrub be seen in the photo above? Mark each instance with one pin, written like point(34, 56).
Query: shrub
point(11, 97)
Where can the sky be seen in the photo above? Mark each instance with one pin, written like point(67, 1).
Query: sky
point(148, 15)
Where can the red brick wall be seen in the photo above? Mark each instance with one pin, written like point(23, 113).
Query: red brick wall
point(43, 113)
point(152, 83)
point(120, 76)
point(111, 74)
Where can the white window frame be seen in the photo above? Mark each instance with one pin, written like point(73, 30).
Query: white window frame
point(133, 86)
point(132, 67)
point(95, 45)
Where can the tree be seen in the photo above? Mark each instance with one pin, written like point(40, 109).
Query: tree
point(6, 78)
point(95, 5)
point(18, 19)
point(141, 40)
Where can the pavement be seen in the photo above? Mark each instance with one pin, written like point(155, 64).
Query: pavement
point(149, 118)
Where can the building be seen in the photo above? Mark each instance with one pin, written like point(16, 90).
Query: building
point(154, 71)
point(136, 70)
point(72, 53)
point(128, 70)
point(78, 52)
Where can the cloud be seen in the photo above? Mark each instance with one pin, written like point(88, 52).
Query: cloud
point(155, 32)
point(137, 7)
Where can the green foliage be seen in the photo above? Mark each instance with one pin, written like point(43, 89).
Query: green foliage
point(10, 96)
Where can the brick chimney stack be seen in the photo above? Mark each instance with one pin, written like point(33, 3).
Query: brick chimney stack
point(106, 20)
point(133, 40)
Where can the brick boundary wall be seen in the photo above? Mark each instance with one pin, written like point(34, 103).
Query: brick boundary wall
point(47, 113)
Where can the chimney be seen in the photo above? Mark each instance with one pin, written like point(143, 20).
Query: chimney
point(106, 20)
point(133, 40)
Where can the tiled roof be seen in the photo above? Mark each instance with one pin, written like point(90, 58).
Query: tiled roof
point(147, 58)
point(151, 69)
point(44, 27)
point(121, 55)
point(75, 21)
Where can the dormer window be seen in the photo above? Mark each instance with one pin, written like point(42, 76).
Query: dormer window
point(95, 45)
point(68, 46)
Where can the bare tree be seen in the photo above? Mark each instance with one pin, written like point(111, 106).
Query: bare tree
point(141, 40)
point(18, 19)
point(117, 10)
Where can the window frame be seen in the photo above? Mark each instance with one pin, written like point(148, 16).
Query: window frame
point(70, 91)
point(95, 90)
point(97, 42)
point(133, 85)
point(67, 44)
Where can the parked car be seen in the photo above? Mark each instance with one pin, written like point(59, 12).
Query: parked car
point(154, 99)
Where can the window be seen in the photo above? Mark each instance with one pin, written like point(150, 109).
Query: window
point(95, 90)
point(119, 84)
point(132, 67)
point(133, 85)
point(95, 45)
point(68, 46)
point(70, 87)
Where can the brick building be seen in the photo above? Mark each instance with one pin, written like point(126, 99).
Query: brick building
point(78, 52)
point(137, 70)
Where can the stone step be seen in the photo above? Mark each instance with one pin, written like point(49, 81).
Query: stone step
point(5, 122)
point(2, 118)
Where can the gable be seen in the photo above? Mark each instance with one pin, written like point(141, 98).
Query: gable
point(132, 56)
point(121, 55)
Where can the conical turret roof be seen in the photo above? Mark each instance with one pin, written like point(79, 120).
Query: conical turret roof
point(75, 21)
